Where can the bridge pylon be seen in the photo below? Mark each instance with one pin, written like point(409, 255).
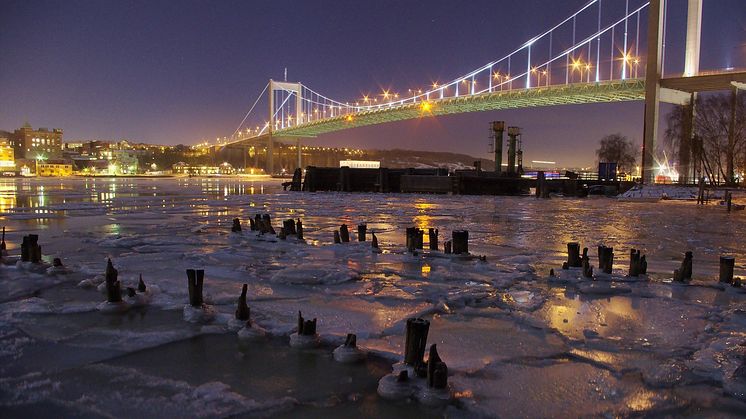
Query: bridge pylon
point(285, 90)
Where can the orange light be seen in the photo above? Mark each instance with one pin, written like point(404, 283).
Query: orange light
point(426, 107)
point(348, 118)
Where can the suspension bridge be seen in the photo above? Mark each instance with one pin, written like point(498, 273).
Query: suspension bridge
point(607, 51)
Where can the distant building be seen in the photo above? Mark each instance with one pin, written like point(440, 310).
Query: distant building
point(360, 164)
point(54, 168)
point(29, 143)
point(7, 156)
point(182, 168)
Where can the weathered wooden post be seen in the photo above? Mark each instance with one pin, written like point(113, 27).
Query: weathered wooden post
point(268, 224)
point(414, 344)
point(573, 255)
point(374, 241)
point(433, 237)
point(361, 230)
point(585, 264)
point(113, 291)
point(289, 226)
point(306, 327)
point(195, 280)
point(410, 242)
point(728, 200)
point(252, 224)
point(634, 262)
point(258, 222)
point(299, 229)
point(25, 249)
point(727, 264)
point(242, 311)
point(684, 273)
point(3, 247)
point(337, 240)
point(605, 258)
point(236, 228)
point(460, 242)
point(344, 233)
point(437, 370)
point(282, 235)
point(447, 247)
point(141, 285)
point(348, 352)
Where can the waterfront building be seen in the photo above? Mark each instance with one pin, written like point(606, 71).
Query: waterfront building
point(7, 156)
point(30, 143)
point(54, 168)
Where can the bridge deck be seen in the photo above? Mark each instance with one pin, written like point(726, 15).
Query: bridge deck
point(581, 93)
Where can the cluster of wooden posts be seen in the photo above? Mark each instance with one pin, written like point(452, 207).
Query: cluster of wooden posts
point(458, 245)
point(263, 224)
point(638, 264)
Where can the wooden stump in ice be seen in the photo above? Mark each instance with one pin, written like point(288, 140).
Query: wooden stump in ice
point(306, 337)
point(348, 352)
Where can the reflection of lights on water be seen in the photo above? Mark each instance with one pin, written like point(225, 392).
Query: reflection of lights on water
point(425, 270)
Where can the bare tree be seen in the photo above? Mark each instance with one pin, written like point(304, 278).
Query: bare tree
point(719, 146)
point(617, 148)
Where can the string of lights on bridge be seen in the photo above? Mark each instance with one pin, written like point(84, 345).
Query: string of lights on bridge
point(609, 51)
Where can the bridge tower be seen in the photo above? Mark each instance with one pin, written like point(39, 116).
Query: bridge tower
point(653, 75)
point(290, 88)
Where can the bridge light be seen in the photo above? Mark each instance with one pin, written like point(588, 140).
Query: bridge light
point(426, 107)
point(533, 70)
point(348, 118)
point(435, 85)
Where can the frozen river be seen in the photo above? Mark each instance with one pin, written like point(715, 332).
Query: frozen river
point(516, 343)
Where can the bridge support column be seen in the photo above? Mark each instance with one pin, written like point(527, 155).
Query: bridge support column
point(693, 36)
point(652, 89)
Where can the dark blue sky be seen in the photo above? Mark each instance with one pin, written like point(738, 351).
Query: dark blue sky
point(180, 71)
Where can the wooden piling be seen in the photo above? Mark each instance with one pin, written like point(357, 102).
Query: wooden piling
point(605, 258)
point(447, 247)
point(374, 241)
point(416, 338)
point(242, 310)
point(195, 280)
point(684, 273)
point(337, 240)
point(573, 255)
point(236, 228)
point(437, 370)
point(289, 226)
point(351, 341)
point(361, 230)
point(266, 220)
point(252, 224)
point(306, 327)
point(634, 262)
point(727, 264)
point(3, 247)
point(585, 262)
point(299, 229)
point(344, 233)
point(460, 242)
point(141, 285)
point(433, 237)
point(113, 291)
point(282, 235)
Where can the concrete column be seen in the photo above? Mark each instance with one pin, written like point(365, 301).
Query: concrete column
point(652, 89)
point(693, 37)
point(498, 127)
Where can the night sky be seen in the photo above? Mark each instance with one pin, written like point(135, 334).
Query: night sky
point(182, 71)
